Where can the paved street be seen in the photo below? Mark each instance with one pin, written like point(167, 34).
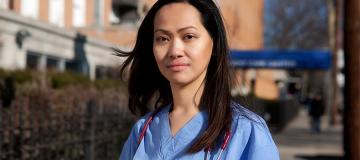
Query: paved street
point(297, 142)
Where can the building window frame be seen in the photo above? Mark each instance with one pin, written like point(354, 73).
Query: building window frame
point(30, 8)
point(57, 12)
point(79, 13)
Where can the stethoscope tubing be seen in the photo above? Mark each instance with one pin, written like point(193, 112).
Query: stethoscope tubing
point(222, 148)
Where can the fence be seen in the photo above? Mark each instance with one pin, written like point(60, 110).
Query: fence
point(88, 130)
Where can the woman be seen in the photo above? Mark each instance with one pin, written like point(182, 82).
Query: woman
point(180, 59)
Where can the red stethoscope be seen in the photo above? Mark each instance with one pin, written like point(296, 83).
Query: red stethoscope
point(208, 150)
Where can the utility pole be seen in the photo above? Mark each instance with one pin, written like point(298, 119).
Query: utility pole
point(352, 80)
point(334, 9)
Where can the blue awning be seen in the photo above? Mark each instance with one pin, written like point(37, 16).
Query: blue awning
point(281, 59)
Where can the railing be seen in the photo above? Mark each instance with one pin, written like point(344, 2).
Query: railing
point(89, 130)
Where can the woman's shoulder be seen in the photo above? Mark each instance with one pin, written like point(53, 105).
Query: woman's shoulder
point(241, 112)
point(250, 130)
point(137, 127)
point(249, 124)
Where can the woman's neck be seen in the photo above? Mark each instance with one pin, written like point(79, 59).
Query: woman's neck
point(186, 98)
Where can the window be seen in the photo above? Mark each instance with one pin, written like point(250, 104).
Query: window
point(4, 4)
point(79, 13)
point(32, 61)
point(30, 8)
point(99, 12)
point(52, 63)
point(56, 12)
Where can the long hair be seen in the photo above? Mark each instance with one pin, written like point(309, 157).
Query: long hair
point(146, 82)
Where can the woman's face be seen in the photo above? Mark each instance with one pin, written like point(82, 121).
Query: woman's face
point(182, 46)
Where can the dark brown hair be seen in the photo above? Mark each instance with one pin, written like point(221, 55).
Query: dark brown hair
point(146, 81)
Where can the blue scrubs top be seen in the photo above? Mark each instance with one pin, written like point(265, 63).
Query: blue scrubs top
point(250, 138)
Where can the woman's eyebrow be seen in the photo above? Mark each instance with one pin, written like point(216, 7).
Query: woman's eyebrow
point(179, 30)
point(185, 28)
point(162, 30)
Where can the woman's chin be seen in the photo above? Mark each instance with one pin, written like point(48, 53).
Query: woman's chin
point(179, 82)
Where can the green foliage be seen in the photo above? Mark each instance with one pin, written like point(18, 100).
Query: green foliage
point(7, 91)
point(109, 83)
point(3, 74)
point(55, 80)
point(64, 79)
point(50, 98)
point(8, 83)
point(19, 76)
point(22, 76)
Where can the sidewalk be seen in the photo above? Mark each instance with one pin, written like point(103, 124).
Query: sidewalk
point(297, 142)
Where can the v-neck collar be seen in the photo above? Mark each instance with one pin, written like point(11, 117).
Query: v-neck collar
point(190, 130)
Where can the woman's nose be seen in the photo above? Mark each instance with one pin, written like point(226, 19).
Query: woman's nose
point(176, 49)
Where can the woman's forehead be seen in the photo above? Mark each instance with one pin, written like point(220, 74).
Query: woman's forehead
point(176, 16)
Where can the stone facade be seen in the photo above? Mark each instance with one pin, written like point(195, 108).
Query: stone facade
point(45, 45)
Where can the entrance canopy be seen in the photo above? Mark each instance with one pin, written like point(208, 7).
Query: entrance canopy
point(281, 59)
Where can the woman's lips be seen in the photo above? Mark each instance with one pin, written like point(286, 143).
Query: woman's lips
point(176, 67)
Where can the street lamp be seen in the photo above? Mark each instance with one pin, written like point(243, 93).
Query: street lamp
point(20, 36)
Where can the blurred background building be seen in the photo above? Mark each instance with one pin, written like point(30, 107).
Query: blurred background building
point(60, 34)
point(76, 35)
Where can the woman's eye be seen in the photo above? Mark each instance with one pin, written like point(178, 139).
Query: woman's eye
point(189, 37)
point(161, 39)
